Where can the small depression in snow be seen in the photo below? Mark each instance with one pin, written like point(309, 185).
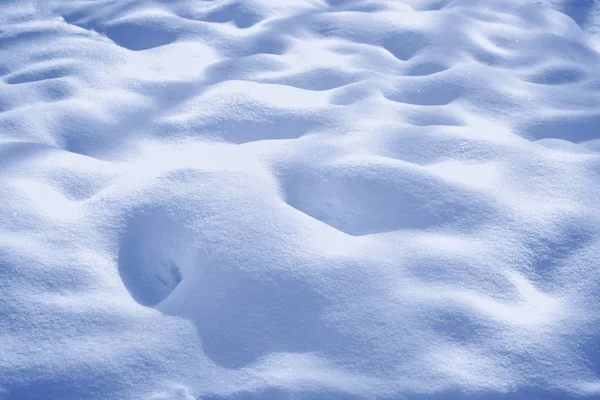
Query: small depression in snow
point(150, 257)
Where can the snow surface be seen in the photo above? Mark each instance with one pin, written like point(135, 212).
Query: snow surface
point(299, 199)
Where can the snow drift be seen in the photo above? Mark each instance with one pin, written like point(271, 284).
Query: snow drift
point(307, 199)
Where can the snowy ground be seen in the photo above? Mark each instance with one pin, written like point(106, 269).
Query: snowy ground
point(299, 199)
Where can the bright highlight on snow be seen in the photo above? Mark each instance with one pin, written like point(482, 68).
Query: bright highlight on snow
point(299, 199)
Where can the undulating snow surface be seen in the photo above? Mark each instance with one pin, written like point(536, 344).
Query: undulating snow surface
point(299, 199)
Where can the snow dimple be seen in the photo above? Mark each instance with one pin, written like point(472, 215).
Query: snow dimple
point(146, 255)
point(438, 93)
point(405, 45)
point(426, 68)
point(242, 16)
point(321, 79)
point(382, 196)
point(38, 74)
point(140, 36)
point(557, 76)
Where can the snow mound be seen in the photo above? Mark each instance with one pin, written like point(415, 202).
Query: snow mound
point(332, 199)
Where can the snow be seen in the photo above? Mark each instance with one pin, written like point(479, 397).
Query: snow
point(299, 199)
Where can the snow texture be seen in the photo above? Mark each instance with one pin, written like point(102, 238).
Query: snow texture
point(299, 199)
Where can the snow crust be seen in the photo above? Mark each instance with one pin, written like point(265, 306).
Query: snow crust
point(299, 199)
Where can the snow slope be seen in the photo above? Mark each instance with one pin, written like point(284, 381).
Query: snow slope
point(587, 15)
point(299, 199)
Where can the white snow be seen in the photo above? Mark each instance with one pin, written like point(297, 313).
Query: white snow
point(299, 199)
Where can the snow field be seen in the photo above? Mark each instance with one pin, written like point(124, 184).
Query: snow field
point(298, 199)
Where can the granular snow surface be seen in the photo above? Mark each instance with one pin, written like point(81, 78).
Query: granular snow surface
point(299, 199)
